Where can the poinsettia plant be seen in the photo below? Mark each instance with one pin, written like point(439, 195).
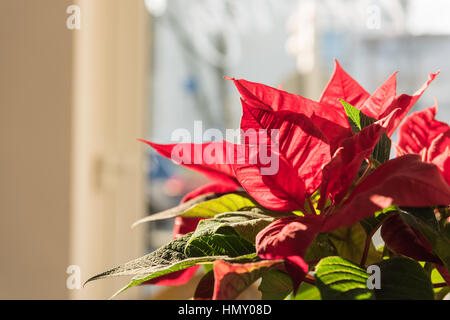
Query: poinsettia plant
point(304, 227)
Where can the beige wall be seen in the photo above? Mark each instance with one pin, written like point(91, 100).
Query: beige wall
point(71, 105)
point(109, 114)
point(35, 124)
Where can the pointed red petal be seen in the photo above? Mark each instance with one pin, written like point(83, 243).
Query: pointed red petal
point(342, 86)
point(442, 161)
point(404, 181)
point(339, 174)
point(331, 121)
point(281, 190)
point(439, 145)
point(405, 103)
point(419, 130)
point(300, 142)
point(375, 105)
point(207, 158)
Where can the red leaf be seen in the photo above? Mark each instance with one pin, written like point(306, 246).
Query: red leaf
point(331, 121)
point(442, 161)
point(208, 158)
point(339, 174)
point(419, 130)
point(405, 103)
point(439, 146)
point(176, 278)
point(404, 240)
point(300, 142)
point(183, 225)
point(405, 181)
point(375, 105)
point(282, 191)
point(288, 238)
point(342, 86)
point(231, 279)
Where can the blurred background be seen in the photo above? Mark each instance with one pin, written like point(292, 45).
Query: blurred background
point(81, 80)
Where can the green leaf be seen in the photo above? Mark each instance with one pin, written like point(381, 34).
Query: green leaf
point(165, 260)
point(403, 278)
point(160, 259)
point(275, 285)
point(350, 242)
point(307, 291)
point(204, 206)
point(400, 278)
point(359, 121)
point(227, 203)
point(382, 150)
point(356, 118)
point(340, 279)
point(231, 234)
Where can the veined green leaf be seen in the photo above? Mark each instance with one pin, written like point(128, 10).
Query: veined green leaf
point(340, 279)
point(400, 278)
point(231, 234)
point(186, 263)
point(165, 260)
